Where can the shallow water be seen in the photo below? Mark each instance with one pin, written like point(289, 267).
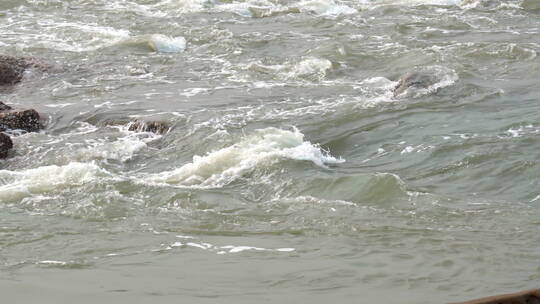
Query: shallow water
point(290, 173)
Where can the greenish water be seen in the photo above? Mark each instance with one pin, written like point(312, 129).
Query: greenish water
point(290, 173)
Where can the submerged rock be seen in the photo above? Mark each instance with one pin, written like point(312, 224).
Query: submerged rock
point(27, 120)
point(5, 145)
point(525, 297)
point(12, 68)
point(158, 127)
point(414, 80)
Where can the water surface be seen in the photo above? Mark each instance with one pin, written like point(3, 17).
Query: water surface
point(290, 173)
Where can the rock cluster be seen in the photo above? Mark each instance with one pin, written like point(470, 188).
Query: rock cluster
point(12, 70)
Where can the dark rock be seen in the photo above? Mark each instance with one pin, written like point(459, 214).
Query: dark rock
point(27, 120)
point(414, 80)
point(12, 68)
point(4, 107)
point(158, 127)
point(5, 145)
point(525, 297)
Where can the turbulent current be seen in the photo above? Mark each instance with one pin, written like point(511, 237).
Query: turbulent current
point(291, 172)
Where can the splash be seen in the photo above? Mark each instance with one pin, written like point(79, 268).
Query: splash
point(15, 185)
point(310, 68)
point(325, 8)
point(165, 44)
point(264, 148)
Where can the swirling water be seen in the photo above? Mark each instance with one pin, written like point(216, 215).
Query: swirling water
point(291, 173)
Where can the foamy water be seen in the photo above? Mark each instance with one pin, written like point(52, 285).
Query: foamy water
point(264, 149)
point(290, 170)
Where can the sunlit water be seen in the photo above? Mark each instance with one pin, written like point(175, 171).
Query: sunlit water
point(290, 173)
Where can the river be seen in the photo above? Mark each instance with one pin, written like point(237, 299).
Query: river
point(290, 173)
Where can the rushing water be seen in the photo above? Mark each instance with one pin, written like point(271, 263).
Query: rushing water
point(290, 173)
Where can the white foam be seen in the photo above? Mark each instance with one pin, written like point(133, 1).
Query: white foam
point(312, 200)
point(239, 8)
point(285, 249)
point(59, 36)
point(121, 146)
point(468, 4)
point(371, 3)
point(157, 42)
point(185, 6)
point(122, 149)
point(52, 262)
point(166, 44)
point(265, 147)
point(223, 249)
point(327, 8)
point(15, 185)
point(128, 6)
point(236, 249)
point(310, 67)
point(407, 149)
point(174, 8)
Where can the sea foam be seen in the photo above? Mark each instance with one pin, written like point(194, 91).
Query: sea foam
point(325, 8)
point(165, 44)
point(15, 185)
point(265, 147)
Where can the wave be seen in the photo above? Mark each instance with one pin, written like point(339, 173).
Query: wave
point(121, 149)
point(248, 9)
point(310, 68)
point(264, 148)
point(15, 185)
point(78, 37)
point(157, 43)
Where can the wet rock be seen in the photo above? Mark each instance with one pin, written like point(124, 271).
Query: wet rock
point(158, 127)
point(12, 68)
point(4, 107)
point(5, 145)
point(27, 120)
point(525, 297)
point(414, 80)
point(10, 119)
